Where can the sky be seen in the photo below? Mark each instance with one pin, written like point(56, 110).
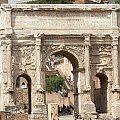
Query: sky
point(11, 1)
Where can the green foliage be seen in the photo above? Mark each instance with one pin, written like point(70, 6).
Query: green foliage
point(50, 2)
point(117, 1)
point(54, 83)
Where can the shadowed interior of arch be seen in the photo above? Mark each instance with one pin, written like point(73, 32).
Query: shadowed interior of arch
point(23, 87)
point(74, 61)
point(100, 92)
point(69, 56)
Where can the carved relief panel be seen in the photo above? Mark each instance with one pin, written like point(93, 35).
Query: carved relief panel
point(76, 50)
point(23, 57)
point(101, 55)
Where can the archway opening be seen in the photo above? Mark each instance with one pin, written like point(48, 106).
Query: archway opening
point(23, 93)
point(60, 64)
point(100, 92)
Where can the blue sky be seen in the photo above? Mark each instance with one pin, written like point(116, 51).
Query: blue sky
point(11, 1)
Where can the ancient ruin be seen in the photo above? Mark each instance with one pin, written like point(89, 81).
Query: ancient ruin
point(88, 35)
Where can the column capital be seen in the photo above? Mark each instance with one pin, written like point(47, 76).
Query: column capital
point(39, 38)
point(115, 40)
point(87, 39)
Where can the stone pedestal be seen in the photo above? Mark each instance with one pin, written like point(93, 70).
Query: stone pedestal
point(52, 111)
point(40, 113)
point(89, 107)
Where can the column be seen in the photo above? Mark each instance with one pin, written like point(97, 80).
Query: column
point(3, 76)
point(9, 73)
point(89, 106)
point(79, 94)
point(115, 63)
point(75, 77)
point(39, 84)
point(87, 62)
point(115, 88)
point(9, 64)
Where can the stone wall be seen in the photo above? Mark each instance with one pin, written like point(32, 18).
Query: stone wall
point(59, 99)
point(18, 116)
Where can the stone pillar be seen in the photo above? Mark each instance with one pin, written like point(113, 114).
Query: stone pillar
point(10, 90)
point(52, 111)
point(9, 68)
point(75, 78)
point(87, 62)
point(39, 84)
point(77, 90)
point(79, 94)
point(116, 86)
point(89, 106)
point(3, 75)
point(40, 110)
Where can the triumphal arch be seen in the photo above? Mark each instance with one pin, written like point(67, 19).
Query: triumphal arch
point(88, 35)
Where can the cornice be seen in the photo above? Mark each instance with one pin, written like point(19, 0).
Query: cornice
point(65, 7)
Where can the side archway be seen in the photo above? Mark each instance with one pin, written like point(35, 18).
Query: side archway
point(23, 93)
point(100, 92)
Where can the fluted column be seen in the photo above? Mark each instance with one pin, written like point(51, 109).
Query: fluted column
point(89, 106)
point(39, 84)
point(79, 94)
point(10, 90)
point(9, 76)
point(38, 60)
point(87, 62)
point(115, 63)
point(115, 87)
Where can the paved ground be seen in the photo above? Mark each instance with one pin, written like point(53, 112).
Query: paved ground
point(66, 117)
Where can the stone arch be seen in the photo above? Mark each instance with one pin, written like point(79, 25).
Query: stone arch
point(75, 60)
point(28, 85)
point(100, 92)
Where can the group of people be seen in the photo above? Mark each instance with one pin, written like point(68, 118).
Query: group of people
point(65, 109)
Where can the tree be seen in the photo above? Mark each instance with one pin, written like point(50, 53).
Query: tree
point(55, 83)
point(117, 1)
point(50, 2)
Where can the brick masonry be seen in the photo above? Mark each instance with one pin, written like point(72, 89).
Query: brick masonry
point(3, 116)
point(3, 1)
point(18, 116)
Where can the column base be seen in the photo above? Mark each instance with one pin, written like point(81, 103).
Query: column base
point(40, 112)
point(89, 107)
point(116, 109)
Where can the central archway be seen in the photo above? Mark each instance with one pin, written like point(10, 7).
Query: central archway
point(76, 63)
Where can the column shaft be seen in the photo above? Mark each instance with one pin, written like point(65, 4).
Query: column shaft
point(87, 62)
point(38, 61)
point(115, 63)
point(9, 76)
point(79, 94)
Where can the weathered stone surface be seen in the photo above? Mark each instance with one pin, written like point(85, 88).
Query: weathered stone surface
point(88, 35)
